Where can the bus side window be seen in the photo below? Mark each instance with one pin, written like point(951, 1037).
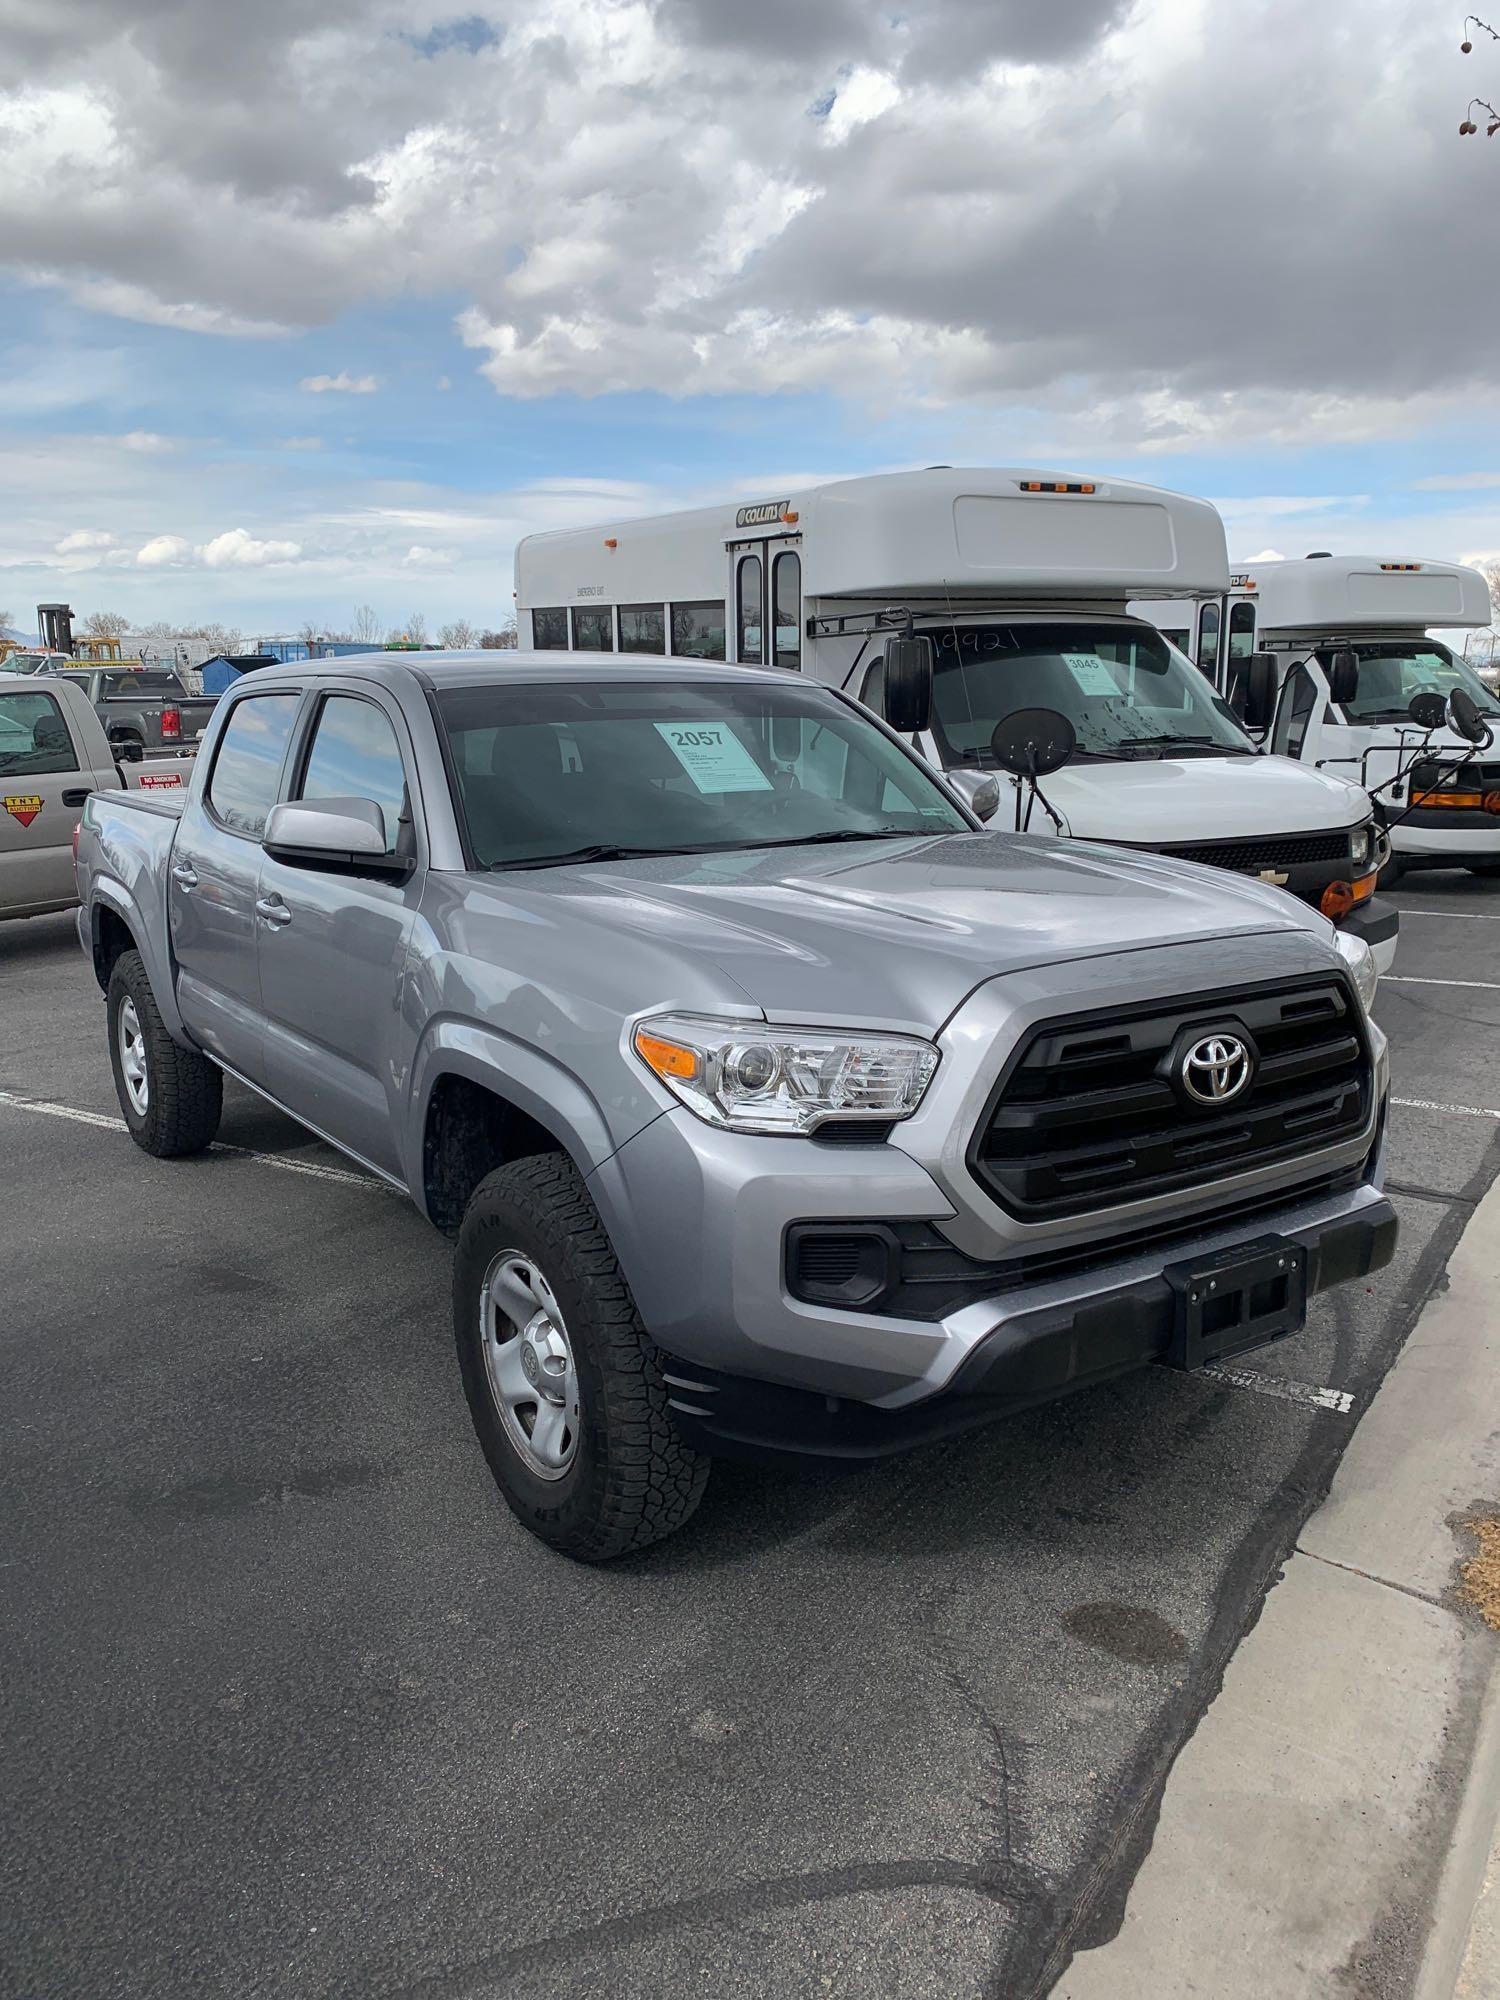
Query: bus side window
point(1241, 630)
point(786, 595)
point(698, 629)
point(750, 648)
point(549, 629)
point(1208, 640)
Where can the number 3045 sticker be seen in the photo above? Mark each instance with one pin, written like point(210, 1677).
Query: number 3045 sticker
point(23, 806)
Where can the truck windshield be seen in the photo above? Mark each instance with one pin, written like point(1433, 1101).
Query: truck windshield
point(1126, 693)
point(581, 772)
point(1392, 672)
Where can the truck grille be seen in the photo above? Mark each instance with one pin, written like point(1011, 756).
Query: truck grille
point(1252, 857)
point(1092, 1109)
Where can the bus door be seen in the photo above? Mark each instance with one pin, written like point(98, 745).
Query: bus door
point(765, 597)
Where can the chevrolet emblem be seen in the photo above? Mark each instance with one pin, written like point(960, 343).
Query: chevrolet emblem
point(1277, 877)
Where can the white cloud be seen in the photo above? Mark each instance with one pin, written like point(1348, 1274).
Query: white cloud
point(1458, 482)
point(342, 384)
point(84, 541)
point(237, 550)
point(164, 552)
point(865, 95)
point(419, 557)
point(150, 442)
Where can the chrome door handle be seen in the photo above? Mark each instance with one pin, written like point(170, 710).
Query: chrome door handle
point(273, 911)
point(184, 875)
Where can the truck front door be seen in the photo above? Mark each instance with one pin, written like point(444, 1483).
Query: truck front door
point(45, 776)
point(333, 943)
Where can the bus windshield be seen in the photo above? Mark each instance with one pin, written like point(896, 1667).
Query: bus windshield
point(1392, 672)
point(1123, 688)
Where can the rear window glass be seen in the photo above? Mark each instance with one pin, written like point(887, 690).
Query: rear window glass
point(142, 680)
point(247, 767)
point(34, 738)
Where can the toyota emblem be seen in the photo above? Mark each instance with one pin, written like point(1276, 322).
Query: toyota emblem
point(1216, 1070)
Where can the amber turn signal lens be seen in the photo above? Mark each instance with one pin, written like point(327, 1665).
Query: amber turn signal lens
point(666, 1058)
point(1364, 888)
point(1492, 802)
point(1337, 900)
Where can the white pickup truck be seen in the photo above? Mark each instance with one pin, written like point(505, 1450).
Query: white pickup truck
point(53, 753)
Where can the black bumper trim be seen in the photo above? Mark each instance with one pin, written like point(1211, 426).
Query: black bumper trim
point(1034, 1357)
point(1374, 921)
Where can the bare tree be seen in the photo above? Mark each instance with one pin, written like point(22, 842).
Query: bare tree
point(366, 624)
point(416, 628)
point(105, 625)
point(1467, 127)
point(457, 636)
point(222, 638)
point(497, 642)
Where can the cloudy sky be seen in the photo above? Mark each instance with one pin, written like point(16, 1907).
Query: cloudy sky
point(317, 302)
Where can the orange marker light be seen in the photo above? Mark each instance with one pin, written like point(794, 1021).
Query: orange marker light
point(1337, 900)
point(1364, 888)
point(790, 516)
point(610, 542)
point(1492, 803)
point(666, 1058)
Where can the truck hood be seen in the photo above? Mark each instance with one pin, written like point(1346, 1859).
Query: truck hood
point(1219, 798)
point(893, 933)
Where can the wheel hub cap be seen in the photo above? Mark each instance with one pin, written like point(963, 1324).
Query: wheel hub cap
point(529, 1362)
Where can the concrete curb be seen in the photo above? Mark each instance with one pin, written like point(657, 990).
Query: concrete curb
point(1328, 1829)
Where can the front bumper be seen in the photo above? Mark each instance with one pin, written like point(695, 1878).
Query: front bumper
point(1442, 839)
point(1378, 923)
point(1034, 1352)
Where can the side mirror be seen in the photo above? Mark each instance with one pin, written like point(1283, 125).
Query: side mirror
point(908, 682)
point(1031, 742)
point(978, 791)
point(1464, 713)
point(345, 835)
point(1343, 676)
point(1427, 709)
point(1259, 684)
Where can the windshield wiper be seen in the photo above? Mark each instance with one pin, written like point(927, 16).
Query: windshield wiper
point(1206, 744)
point(855, 833)
point(581, 854)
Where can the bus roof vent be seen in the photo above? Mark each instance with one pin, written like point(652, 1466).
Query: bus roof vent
point(1320, 555)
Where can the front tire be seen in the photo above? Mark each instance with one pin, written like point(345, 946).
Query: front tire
point(563, 1382)
point(171, 1096)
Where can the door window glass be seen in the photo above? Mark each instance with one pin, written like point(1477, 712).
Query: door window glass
point(354, 755)
point(752, 592)
point(34, 738)
point(247, 767)
point(1208, 640)
point(643, 628)
point(1298, 699)
point(1241, 630)
point(549, 630)
point(593, 628)
point(698, 629)
point(787, 592)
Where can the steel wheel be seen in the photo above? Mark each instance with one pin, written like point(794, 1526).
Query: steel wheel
point(133, 1057)
point(528, 1359)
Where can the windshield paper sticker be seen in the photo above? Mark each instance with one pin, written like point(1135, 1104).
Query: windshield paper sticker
point(1091, 674)
point(23, 806)
point(713, 757)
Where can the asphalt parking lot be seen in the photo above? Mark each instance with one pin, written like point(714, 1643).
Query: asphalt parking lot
point(291, 1706)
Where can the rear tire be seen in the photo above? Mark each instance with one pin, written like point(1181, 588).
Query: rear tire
point(171, 1096)
point(563, 1382)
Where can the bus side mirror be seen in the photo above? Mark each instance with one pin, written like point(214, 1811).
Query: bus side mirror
point(1468, 719)
point(908, 682)
point(1258, 700)
point(1343, 676)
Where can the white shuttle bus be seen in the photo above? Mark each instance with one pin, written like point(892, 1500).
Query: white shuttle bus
point(1020, 581)
point(1325, 658)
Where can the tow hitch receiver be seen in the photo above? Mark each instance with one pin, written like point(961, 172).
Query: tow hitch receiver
point(1243, 1298)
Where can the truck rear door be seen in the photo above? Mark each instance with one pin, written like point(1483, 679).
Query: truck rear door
point(45, 776)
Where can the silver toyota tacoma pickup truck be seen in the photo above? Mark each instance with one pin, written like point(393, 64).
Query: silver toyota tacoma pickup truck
point(775, 1105)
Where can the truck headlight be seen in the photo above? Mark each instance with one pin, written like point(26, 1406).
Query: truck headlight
point(1361, 847)
point(1360, 960)
point(786, 1080)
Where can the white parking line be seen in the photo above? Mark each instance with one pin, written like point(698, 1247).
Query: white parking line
point(343, 1175)
point(1453, 1110)
point(1340, 1401)
point(1407, 979)
point(1460, 916)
